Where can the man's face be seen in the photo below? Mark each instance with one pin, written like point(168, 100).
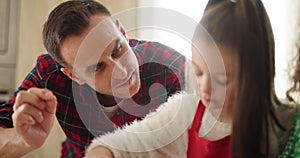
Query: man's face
point(101, 57)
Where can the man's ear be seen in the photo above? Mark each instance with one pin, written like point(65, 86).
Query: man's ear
point(122, 29)
point(71, 75)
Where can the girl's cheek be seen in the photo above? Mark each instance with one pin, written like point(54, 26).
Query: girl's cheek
point(198, 85)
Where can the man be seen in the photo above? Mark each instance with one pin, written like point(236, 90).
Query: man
point(93, 80)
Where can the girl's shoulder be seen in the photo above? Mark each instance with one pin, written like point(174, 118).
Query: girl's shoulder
point(288, 116)
point(287, 111)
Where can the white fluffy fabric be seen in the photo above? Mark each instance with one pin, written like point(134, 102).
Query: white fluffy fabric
point(160, 134)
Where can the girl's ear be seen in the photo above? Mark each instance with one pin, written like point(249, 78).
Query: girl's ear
point(71, 75)
point(122, 29)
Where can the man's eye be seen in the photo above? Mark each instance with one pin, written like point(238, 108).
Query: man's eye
point(116, 51)
point(97, 68)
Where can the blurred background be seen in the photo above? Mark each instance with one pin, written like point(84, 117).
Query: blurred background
point(21, 40)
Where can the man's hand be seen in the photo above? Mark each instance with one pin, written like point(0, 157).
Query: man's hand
point(34, 113)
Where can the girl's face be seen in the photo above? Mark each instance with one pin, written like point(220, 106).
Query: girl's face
point(216, 88)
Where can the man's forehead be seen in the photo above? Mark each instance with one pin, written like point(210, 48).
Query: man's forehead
point(97, 40)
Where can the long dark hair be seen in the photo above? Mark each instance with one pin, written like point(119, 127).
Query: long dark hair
point(244, 26)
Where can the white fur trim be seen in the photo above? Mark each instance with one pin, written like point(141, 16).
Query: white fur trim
point(160, 134)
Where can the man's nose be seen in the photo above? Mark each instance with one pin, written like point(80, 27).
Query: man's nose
point(119, 71)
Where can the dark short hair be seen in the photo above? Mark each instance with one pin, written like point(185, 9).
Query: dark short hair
point(67, 19)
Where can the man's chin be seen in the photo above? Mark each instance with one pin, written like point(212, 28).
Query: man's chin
point(123, 96)
point(126, 95)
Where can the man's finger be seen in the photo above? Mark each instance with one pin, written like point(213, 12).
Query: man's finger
point(43, 94)
point(20, 119)
point(48, 97)
point(29, 98)
point(32, 111)
point(51, 106)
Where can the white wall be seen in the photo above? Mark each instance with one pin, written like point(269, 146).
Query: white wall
point(284, 17)
point(191, 9)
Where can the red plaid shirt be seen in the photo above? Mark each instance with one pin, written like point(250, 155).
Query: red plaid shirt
point(78, 110)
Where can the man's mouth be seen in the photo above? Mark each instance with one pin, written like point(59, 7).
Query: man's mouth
point(126, 83)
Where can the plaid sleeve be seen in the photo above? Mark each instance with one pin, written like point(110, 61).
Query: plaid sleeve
point(5, 115)
point(170, 58)
point(135, 42)
point(33, 79)
point(175, 62)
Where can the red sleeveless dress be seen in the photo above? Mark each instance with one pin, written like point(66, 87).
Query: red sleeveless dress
point(199, 147)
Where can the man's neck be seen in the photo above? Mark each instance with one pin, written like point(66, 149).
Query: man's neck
point(107, 100)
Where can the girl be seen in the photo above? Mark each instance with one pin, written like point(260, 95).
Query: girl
point(247, 121)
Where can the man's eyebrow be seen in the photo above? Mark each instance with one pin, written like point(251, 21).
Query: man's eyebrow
point(92, 67)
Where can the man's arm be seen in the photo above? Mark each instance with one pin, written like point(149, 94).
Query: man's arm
point(12, 145)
